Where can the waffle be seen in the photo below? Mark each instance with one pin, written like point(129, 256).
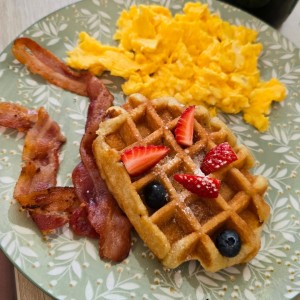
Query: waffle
point(185, 228)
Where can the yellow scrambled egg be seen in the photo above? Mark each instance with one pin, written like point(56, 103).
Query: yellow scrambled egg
point(194, 56)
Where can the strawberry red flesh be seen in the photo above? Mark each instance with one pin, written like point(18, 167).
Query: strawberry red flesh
point(139, 159)
point(184, 130)
point(203, 186)
point(218, 157)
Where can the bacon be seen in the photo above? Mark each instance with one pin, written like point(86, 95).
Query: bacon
point(50, 208)
point(18, 117)
point(55, 207)
point(44, 63)
point(61, 199)
point(47, 207)
point(99, 213)
point(100, 100)
point(80, 223)
point(40, 156)
point(104, 213)
point(48, 223)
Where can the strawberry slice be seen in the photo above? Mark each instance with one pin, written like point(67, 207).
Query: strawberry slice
point(185, 127)
point(218, 157)
point(203, 186)
point(141, 158)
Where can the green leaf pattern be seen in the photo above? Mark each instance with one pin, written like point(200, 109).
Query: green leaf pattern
point(67, 266)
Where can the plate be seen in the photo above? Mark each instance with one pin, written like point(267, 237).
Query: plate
point(67, 266)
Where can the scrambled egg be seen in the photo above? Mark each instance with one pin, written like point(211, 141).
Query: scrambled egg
point(195, 57)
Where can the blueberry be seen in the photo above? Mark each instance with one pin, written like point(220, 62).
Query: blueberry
point(228, 243)
point(155, 195)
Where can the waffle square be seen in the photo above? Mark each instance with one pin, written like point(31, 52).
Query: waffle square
point(185, 228)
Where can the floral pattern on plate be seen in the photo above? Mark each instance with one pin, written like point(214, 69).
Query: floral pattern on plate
point(67, 266)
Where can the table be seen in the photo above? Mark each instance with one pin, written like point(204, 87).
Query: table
point(16, 16)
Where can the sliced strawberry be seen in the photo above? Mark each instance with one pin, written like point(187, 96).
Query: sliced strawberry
point(203, 186)
point(141, 158)
point(185, 127)
point(218, 157)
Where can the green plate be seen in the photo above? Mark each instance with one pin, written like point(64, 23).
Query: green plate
point(67, 266)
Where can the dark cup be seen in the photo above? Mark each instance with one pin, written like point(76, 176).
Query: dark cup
point(273, 12)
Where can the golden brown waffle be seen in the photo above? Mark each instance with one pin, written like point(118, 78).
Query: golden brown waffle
point(185, 228)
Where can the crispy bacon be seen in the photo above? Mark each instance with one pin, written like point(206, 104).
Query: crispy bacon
point(104, 213)
point(99, 209)
point(55, 207)
point(40, 156)
point(61, 199)
point(48, 222)
point(16, 116)
point(100, 100)
point(80, 224)
point(50, 208)
point(43, 62)
point(47, 207)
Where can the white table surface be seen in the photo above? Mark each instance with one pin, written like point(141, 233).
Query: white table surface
point(17, 15)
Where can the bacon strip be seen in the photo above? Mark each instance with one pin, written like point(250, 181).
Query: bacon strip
point(100, 100)
point(43, 62)
point(16, 116)
point(80, 223)
point(61, 199)
point(40, 156)
point(50, 208)
point(55, 207)
point(104, 213)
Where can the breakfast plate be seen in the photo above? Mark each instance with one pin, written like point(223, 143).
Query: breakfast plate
point(68, 267)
